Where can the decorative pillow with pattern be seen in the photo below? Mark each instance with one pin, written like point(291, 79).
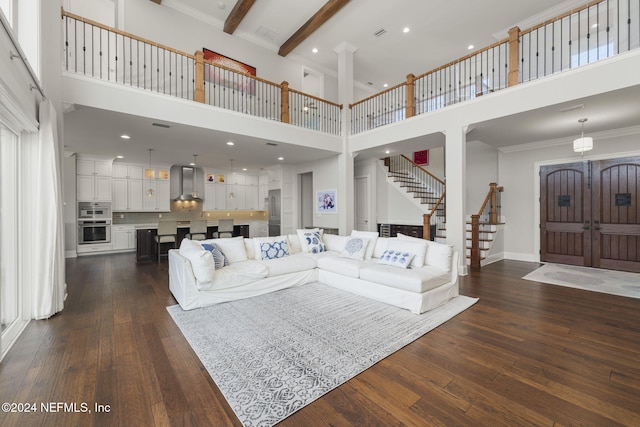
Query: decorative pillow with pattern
point(218, 257)
point(273, 250)
point(355, 248)
point(396, 258)
point(314, 242)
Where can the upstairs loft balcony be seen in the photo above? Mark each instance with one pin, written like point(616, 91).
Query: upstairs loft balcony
point(599, 30)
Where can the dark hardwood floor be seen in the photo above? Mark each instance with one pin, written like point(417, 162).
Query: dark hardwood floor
point(525, 354)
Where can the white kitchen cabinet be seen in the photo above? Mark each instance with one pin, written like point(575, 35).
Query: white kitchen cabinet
point(221, 196)
point(159, 201)
point(236, 197)
point(123, 237)
point(209, 197)
point(251, 180)
point(93, 167)
point(93, 188)
point(93, 180)
point(127, 195)
point(127, 171)
point(251, 197)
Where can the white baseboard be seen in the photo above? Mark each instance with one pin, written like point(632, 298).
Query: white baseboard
point(515, 256)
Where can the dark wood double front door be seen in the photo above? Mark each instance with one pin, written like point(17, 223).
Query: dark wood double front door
point(590, 215)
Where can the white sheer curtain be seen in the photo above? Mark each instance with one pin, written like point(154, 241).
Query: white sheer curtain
point(49, 288)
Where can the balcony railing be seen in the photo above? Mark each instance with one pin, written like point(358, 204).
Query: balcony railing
point(108, 54)
point(595, 31)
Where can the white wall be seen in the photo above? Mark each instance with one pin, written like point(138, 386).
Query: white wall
point(482, 169)
point(325, 177)
point(519, 175)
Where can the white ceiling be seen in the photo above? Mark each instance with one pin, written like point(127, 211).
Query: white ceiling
point(440, 32)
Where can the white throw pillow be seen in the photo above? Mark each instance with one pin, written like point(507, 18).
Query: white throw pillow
point(380, 246)
point(333, 242)
point(439, 255)
point(399, 259)
point(233, 248)
point(302, 239)
point(276, 247)
point(248, 247)
point(294, 244)
point(419, 249)
point(372, 236)
point(355, 248)
point(202, 263)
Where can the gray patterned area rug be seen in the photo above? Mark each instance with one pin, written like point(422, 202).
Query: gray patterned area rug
point(591, 279)
point(273, 354)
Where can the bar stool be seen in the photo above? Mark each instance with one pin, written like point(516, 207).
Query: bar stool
point(225, 227)
point(197, 230)
point(167, 233)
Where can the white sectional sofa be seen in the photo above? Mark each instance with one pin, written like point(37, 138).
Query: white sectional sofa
point(352, 263)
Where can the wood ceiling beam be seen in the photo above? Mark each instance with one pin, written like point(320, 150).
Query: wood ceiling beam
point(320, 17)
point(237, 14)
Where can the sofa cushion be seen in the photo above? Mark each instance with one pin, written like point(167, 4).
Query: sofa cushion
point(238, 274)
point(380, 246)
point(439, 255)
point(289, 264)
point(345, 266)
point(202, 263)
point(372, 235)
point(334, 242)
point(232, 247)
point(355, 248)
point(393, 258)
point(417, 247)
point(294, 244)
point(248, 247)
point(413, 280)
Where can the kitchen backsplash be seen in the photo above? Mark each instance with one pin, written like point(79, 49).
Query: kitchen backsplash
point(187, 211)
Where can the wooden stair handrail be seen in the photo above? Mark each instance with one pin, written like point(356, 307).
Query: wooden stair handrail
point(423, 169)
point(475, 222)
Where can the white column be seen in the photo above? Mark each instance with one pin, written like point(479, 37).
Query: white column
point(455, 167)
point(346, 202)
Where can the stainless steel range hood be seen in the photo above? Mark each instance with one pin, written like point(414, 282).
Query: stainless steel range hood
point(187, 183)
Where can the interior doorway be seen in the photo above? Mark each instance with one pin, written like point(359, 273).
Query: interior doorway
point(590, 215)
point(306, 200)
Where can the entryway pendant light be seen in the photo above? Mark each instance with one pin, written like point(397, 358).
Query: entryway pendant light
point(150, 190)
point(583, 143)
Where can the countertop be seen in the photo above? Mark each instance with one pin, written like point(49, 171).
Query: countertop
point(181, 224)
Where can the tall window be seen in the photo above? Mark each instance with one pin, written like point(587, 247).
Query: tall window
point(10, 295)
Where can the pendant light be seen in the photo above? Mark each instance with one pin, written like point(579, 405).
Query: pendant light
point(195, 172)
point(583, 143)
point(150, 190)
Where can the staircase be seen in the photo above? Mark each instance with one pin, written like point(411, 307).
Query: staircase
point(482, 228)
point(424, 189)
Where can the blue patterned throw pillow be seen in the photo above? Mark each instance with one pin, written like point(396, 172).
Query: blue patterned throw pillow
point(355, 248)
point(218, 257)
point(314, 242)
point(273, 250)
point(395, 258)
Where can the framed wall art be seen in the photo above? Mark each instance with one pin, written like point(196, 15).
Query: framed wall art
point(326, 201)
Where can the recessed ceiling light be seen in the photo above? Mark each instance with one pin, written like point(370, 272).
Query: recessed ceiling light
point(125, 136)
point(385, 85)
point(230, 143)
point(120, 157)
point(594, 26)
point(314, 50)
point(244, 169)
point(387, 151)
point(406, 30)
point(192, 164)
point(470, 47)
point(280, 158)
